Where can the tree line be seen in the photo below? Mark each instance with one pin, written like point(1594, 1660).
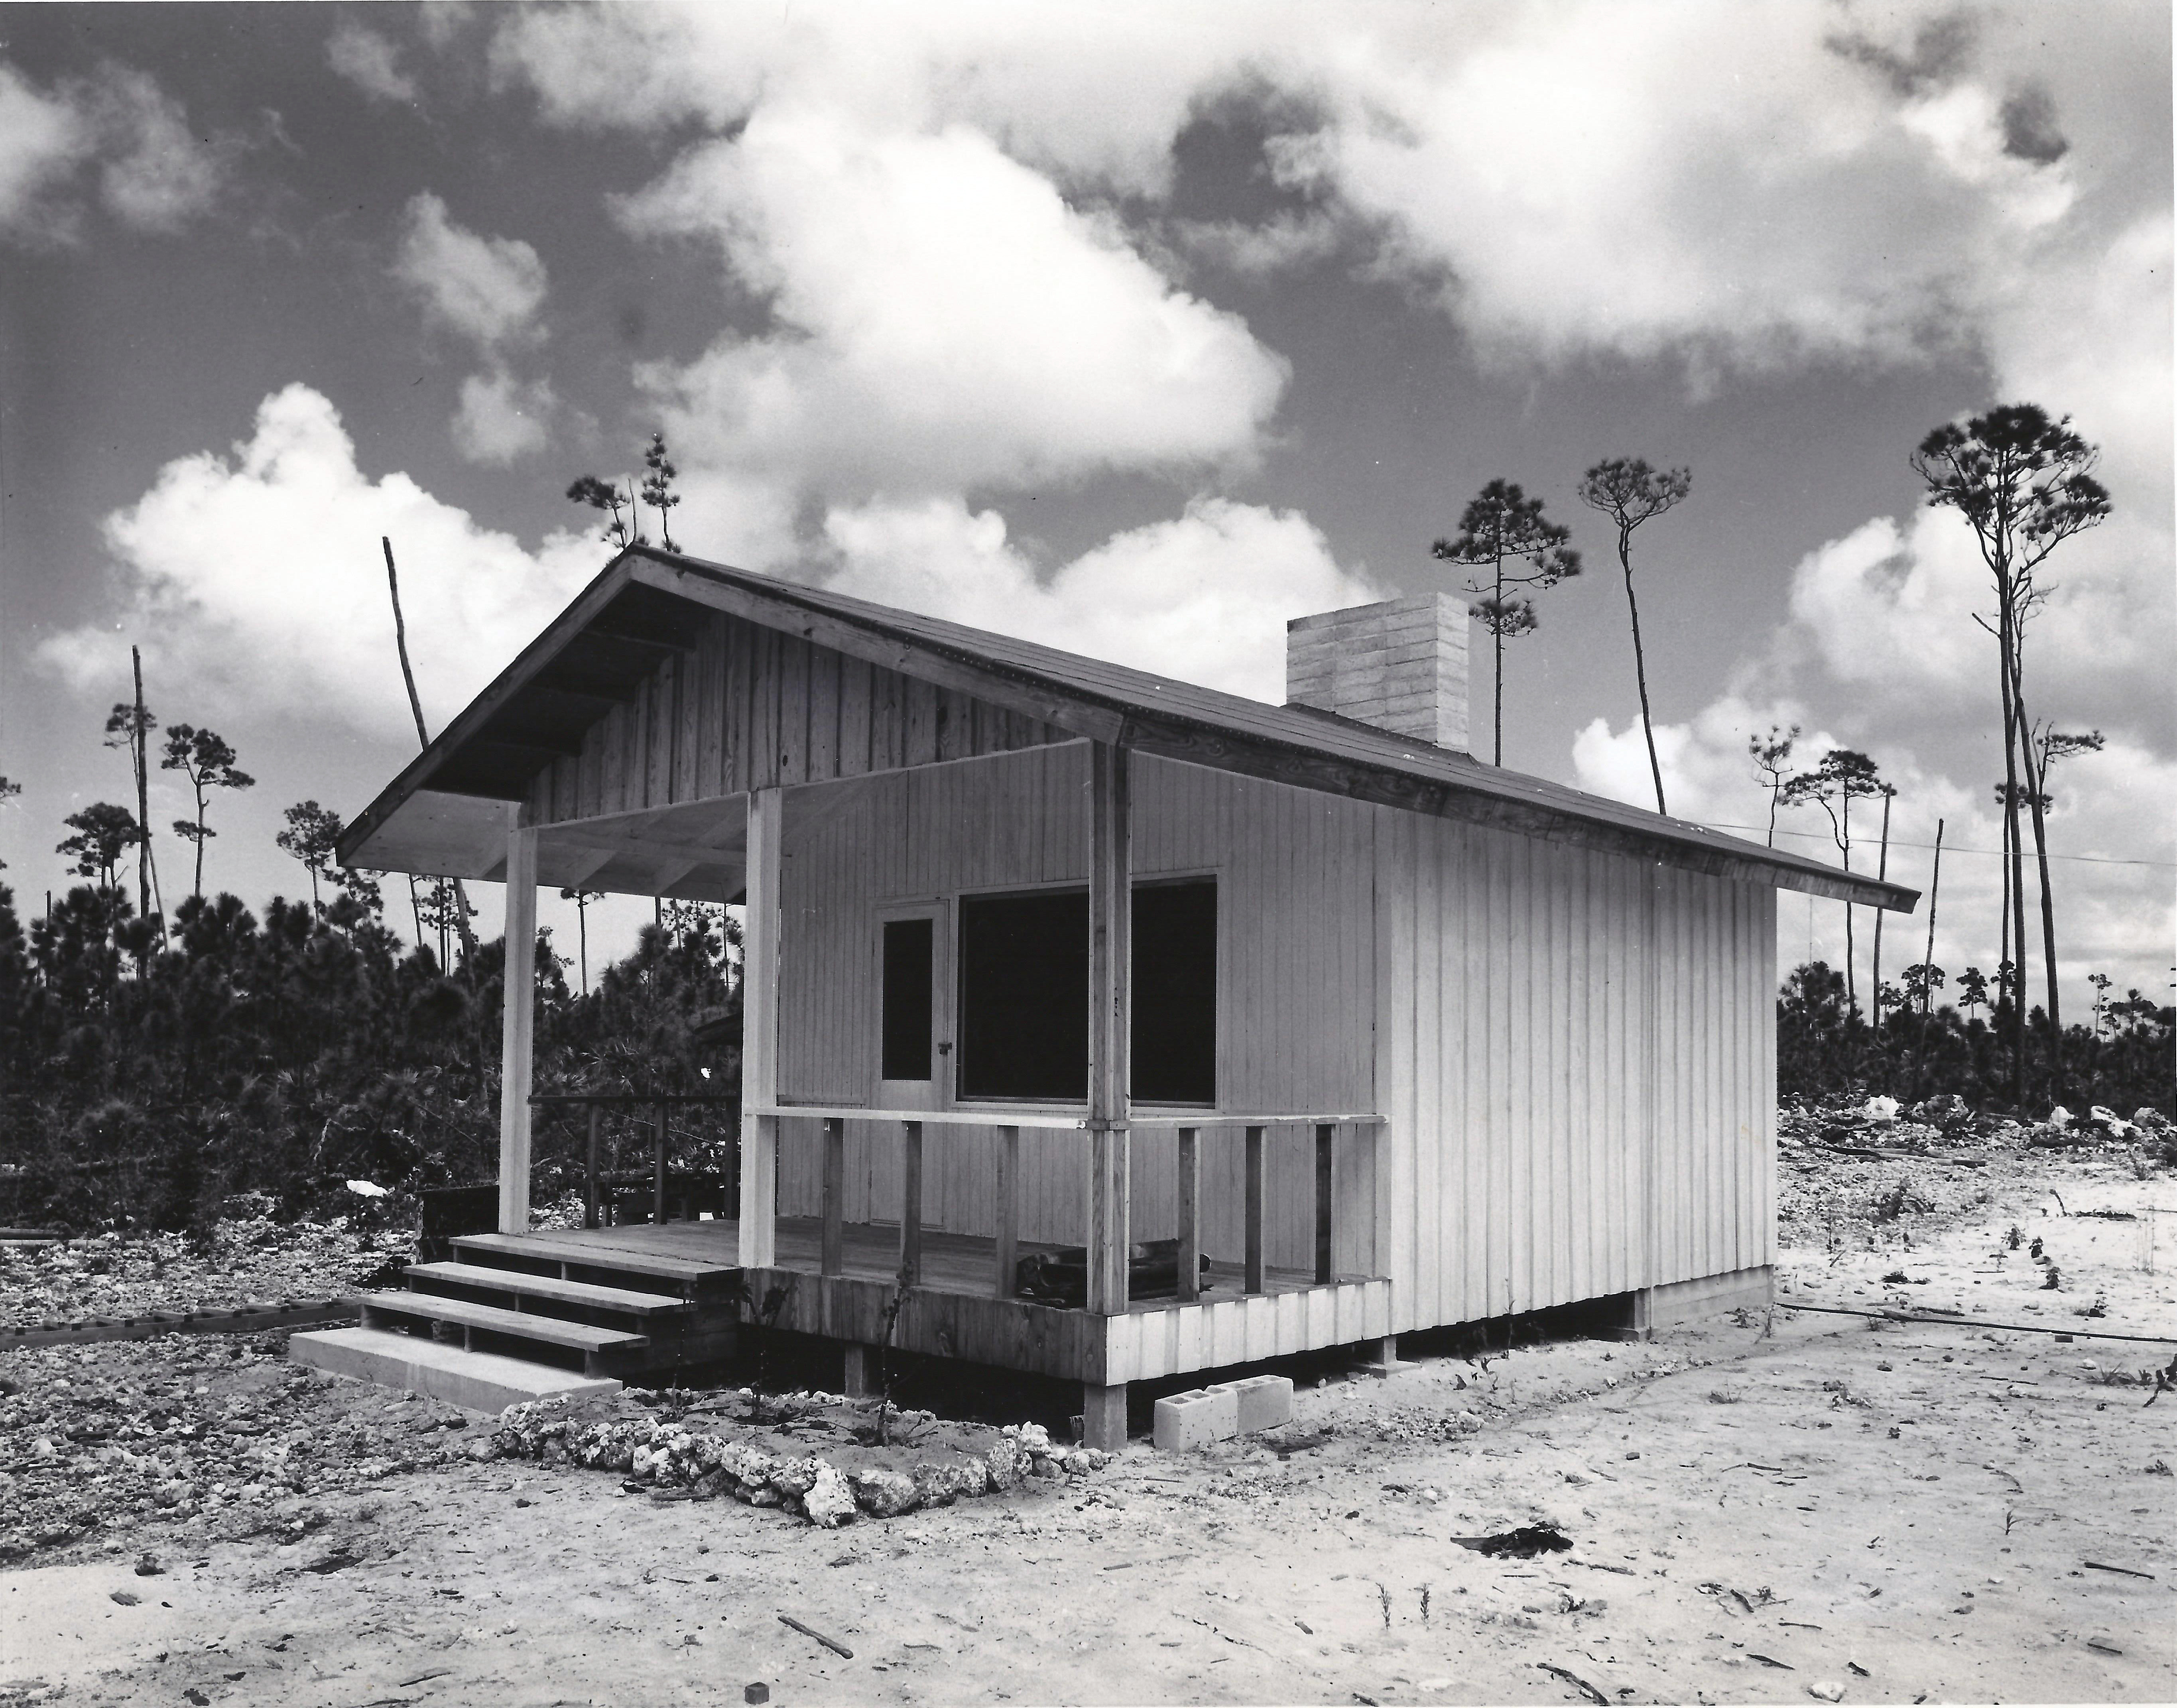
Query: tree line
point(153, 1067)
point(2023, 482)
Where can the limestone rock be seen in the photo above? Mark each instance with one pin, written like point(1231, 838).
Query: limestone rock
point(885, 1494)
point(830, 1500)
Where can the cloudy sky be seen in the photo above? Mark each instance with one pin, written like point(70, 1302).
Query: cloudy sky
point(1137, 329)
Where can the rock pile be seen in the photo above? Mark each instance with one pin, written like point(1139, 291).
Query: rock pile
point(707, 1452)
point(202, 1438)
point(249, 1260)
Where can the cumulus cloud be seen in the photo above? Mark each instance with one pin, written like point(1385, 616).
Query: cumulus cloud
point(489, 289)
point(1203, 596)
point(1707, 775)
point(1567, 188)
point(154, 172)
point(1093, 98)
point(502, 419)
point(1888, 612)
point(369, 61)
point(159, 175)
point(42, 137)
point(943, 318)
point(258, 577)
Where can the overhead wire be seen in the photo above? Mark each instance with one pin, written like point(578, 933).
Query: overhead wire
point(1948, 847)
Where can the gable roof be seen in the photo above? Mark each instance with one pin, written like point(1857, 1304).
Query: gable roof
point(615, 632)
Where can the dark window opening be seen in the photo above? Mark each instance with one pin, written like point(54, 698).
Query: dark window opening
point(1023, 995)
point(907, 998)
point(1174, 1030)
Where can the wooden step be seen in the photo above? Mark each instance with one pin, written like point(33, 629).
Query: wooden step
point(518, 1324)
point(485, 1278)
point(543, 1248)
point(481, 1381)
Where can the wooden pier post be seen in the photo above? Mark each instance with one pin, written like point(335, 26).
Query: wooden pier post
point(1103, 1418)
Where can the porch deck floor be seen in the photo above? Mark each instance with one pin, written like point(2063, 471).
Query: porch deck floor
point(950, 1263)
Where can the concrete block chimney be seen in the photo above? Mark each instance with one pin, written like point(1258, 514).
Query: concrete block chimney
point(1401, 665)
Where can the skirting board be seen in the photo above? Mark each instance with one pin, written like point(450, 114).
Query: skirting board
point(1679, 1302)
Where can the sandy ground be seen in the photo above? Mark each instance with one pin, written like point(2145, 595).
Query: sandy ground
point(1757, 1511)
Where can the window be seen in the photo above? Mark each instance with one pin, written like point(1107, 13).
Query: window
point(1174, 1031)
point(907, 992)
point(1023, 995)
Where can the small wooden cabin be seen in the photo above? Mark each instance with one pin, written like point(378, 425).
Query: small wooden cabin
point(1043, 951)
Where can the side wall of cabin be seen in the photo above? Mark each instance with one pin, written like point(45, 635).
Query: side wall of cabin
point(1577, 1053)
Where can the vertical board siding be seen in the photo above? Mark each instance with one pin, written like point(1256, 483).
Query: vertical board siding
point(1296, 979)
point(1556, 1021)
point(746, 707)
point(1576, 1050)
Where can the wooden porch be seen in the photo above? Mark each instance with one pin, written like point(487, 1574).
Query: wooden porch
point(955, 1308)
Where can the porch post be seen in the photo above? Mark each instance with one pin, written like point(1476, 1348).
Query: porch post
point(1111, 1017)
point(758, 1230)
point(517, 1029)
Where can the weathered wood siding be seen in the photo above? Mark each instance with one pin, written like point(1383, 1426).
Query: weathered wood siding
point(1551, 1019)
point(748, 707)
point(1296, 979)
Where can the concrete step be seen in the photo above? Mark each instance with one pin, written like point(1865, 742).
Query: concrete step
point(518, 1285)
point(525, 1326)
point(479, 1381)
point(682, 1272)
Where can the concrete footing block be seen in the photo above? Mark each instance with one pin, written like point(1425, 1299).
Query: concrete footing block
point(1196, 1418)
point(1221, 1411)
point(1264, 1402)
point(478, 1381)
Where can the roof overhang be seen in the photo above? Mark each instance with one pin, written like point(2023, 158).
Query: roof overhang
point(693, 851)
point(613, 635)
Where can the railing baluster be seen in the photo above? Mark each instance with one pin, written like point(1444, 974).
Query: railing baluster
point(590, 1183)
point(910, 1203)
point(1008, 1251)
point(1325, 1134)
point(657, 1168)
point(835, 1192)
point(1254, 1275)
point(1190, 1212)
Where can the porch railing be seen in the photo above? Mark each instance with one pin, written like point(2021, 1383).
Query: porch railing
point(660, 1102)
point(1009, 1123)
